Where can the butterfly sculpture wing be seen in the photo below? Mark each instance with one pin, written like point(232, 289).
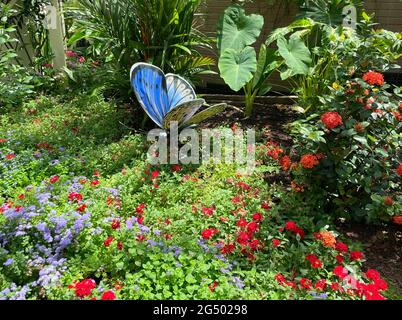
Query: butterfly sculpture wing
point(149, 85)
point(183, 112)
point(178, 90)
point(207, 113)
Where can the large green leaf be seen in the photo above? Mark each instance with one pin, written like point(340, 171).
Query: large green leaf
point(237, 30)
point(237, 67)
point(296, 55)
point(266, 64)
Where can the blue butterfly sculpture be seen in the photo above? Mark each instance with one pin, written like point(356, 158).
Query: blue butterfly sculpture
point(169, 97)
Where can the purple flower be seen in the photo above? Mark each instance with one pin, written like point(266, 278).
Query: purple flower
point(8, 262)
point(238, 282)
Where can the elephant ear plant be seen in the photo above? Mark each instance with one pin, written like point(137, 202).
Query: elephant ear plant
point(238, 63)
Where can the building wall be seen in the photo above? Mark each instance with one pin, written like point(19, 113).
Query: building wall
point(388, 15)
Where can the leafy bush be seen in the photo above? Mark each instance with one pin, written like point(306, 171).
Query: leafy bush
point(161, 32)
point(16, 83)
point(316, 54)
point(357, 148)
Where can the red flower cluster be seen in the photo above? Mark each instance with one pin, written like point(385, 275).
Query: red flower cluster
point(340, 272)
point(356, 255)
point(305, 284)
point(115, 224)
point(74, 196)
point(315, 262)
point(399, 170)
point(54, 179)
point(209, 233)
point(84, 288)
point(374, 78)
point(309, 161)
point(108, 241)
point(332, 119)
point(292, 227)
point(108, 295)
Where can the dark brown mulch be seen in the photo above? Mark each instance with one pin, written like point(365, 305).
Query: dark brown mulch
point(382, 248)
point(270, 119)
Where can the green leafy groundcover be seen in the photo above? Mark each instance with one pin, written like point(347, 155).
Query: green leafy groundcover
point(83, 216)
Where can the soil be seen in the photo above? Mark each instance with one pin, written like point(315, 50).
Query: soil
point(382, 246)
point(268, 119)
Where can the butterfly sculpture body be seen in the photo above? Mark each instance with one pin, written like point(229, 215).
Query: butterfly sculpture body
point(167, 98)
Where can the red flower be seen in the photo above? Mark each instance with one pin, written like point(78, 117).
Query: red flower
point(119, 245)
point(300, 232)
point(108, 241)
point(21, 196)
point(9, 156)
point(84, 288)
point(115, 224)
point(254, 244)
point(2, 140)
point(336, 286)
point(397, 116)
point(275, 242)
point(332, 119)
point(108, 295)
point(71, 54)
point(154, 174)
point(176, 168)
point(341, 247)
point(140, 208)
point(309, 161)
point(213, 286)
point(315, 262)
point(95, 182)
point(339, 259)
point(305, 283)
point(399, 170)
point(321, 284)
point(257, 217)
point(242, 223)
point(208, 233)
point(388, 201)
point(265, 206)
point(285, 163)
point(397, 219)
point(228, 248)
point(252, 227)
point(290, 226)
point(73, 196)
point(381, 284)
point(141, 237)
point(372, 274)
point(356, 255)
point(54, 179)
point(280, 278)
point(243, 238)
point(82, 208)
point(340, 272)
point(207, 211)
point(141, 219)
point(374, 78)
